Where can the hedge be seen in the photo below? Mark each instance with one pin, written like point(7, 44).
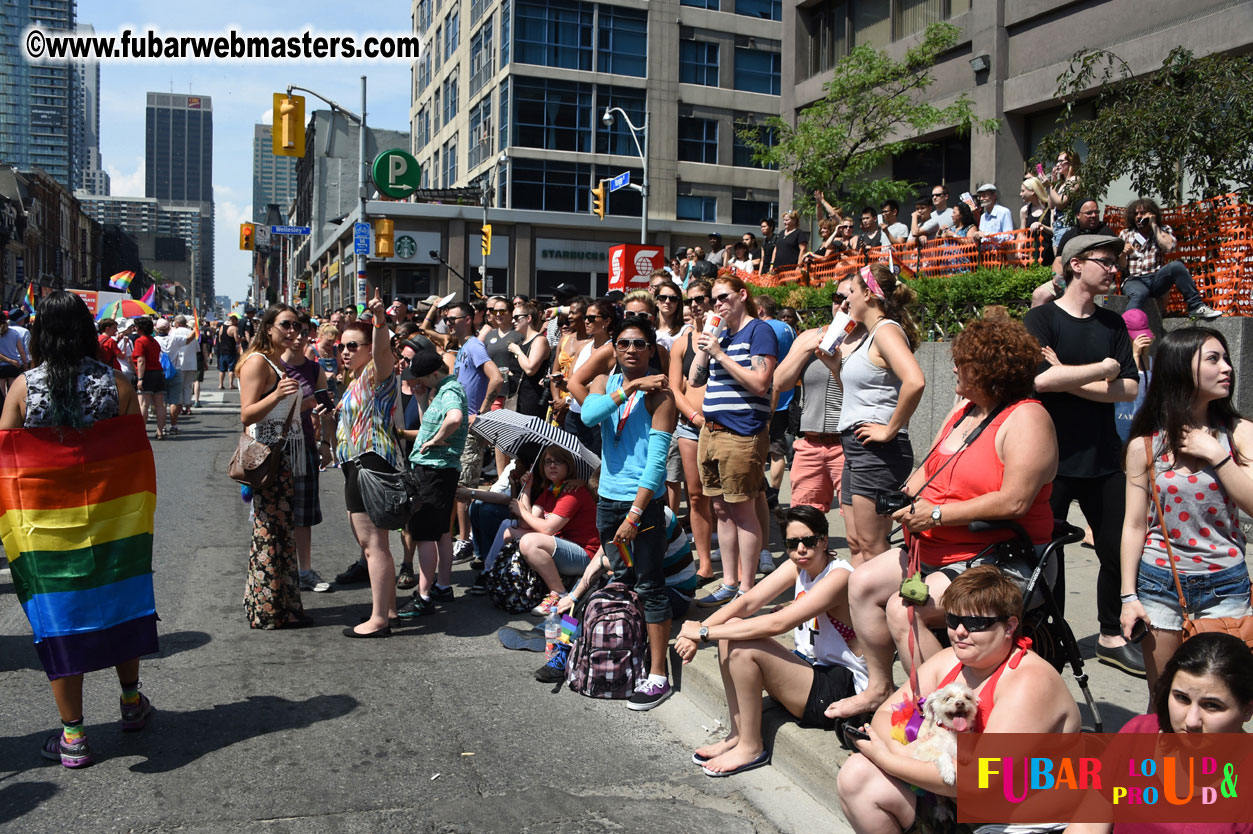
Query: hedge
point(944, 304)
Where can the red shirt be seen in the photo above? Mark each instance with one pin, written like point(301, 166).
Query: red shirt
point(109, 351)
point(146, 348)
point(579, 508)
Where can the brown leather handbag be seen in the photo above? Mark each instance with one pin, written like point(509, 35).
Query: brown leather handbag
point(1241, 627)
point(254, 463)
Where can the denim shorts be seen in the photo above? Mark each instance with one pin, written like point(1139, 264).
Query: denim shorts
point(570, 558)
point(1223, 593)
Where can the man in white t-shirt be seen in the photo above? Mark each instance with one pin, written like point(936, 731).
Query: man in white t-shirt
point(172, 344)
point(185, 360)
point(941, 215)
point(889, 221)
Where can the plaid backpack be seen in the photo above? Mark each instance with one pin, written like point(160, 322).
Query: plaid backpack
point(612, 654)
point(512, 584)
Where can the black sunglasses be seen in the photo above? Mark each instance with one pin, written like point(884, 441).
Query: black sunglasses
point(290, 324)
point(718, 299)
point(810, 542)
point(638, 344)
point(671, 298)
point(697, 299)
point(350, 346)
point(521, 317)
point(594, 317)
point(451, 319)
point(971, 624)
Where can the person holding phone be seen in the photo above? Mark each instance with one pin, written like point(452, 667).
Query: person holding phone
point(1147, 241)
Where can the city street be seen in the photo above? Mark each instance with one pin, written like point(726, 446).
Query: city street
point(437, 729)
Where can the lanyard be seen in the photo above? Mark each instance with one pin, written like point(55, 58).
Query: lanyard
point(625, 409)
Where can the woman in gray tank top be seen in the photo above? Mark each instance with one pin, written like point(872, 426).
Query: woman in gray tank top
point(882, 385)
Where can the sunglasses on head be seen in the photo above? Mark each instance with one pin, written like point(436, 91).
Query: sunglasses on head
point(638, 344)
point(970, 623)
point(810, 542)
point(350, 346)
point(697, 299)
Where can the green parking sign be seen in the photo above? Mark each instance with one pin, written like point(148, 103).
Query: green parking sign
point(396, 174)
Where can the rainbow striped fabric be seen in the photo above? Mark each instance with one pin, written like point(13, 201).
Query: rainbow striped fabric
point(76, 520)
point(150, 296)
point(122, 280)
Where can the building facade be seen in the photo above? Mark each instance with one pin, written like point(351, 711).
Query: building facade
point(92, 177)
point(1008, 58)
point(38, 102)
point(273, 177)
point(179, 165)
point(60, 242)
point(173, 234)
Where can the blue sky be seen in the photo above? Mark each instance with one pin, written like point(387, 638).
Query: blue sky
point(241, 92)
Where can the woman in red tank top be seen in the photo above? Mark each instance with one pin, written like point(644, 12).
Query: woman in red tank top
point(994, 458)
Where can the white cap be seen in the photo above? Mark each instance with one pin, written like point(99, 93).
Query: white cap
point(987, 186)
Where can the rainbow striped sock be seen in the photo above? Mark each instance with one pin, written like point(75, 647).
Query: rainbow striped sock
point(72, 731)
point(130, 694)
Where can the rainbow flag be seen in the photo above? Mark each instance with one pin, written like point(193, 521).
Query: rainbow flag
point(28, 303)
point(150, 297)
point(76, 520)
point(569, 626)
point(122, 280)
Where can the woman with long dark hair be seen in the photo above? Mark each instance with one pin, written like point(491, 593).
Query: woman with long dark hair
point(69, 387)
point(1202, 454)
point(270, 397)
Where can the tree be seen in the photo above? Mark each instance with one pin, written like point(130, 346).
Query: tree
point(1189, 121)
point(870, 102)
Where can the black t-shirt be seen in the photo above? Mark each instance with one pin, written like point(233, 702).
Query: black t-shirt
point(767, 249)
point(787, 251)
point(1075, 230)
point(1088, 445)
point(498, 350)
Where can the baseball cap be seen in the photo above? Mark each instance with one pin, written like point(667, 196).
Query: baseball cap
point(1137, 322)
point(564, 291)
point(1079, 244)
point(987, 186)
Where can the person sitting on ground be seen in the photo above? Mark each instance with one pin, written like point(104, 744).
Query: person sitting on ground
point(1148, 240)
point(883, 788)
point(824, 667)
point(969, 475)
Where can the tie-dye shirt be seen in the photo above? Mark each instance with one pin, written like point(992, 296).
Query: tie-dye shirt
point(365, 419)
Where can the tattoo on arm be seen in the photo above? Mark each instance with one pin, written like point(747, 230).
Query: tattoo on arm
point(699, 376)
point(759, 363)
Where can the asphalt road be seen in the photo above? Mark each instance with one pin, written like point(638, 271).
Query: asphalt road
point(437, 729)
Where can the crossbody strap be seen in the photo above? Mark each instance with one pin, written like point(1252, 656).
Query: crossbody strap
point(966, 443)
point(1161, 519)
point(295, 403)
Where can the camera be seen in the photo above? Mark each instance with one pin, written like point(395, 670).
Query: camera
point(888, 501)
point(914, 589)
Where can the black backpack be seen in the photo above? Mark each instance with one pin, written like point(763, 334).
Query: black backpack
point(512, 584)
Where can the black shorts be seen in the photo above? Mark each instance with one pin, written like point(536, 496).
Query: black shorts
point(352, 492)
point(871, 467)
point(434, 518)
point(8, 371)
point(831, 683)
point(154, 382)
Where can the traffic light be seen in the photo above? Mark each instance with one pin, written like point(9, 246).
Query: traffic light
point(598, 200)
point(478, 288)
point(247, 236)
point(289, 125)
point(384, 241)
point(487, 239)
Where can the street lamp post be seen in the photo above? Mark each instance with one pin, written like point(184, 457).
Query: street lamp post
point(642, 188)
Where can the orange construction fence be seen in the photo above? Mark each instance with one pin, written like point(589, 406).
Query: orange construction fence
point(1215, 243)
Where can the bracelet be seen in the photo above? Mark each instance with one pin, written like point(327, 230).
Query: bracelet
point(618, 396)
point(573, 597)
point(635, 523)
point(380, 324)
point(634, 511)
point(1126, 598)
point(692, 419)
point(1222, 463)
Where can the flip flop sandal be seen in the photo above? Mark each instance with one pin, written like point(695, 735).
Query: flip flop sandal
point(760, 761)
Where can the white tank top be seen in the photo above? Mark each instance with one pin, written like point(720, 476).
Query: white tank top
point(819, 640)
point(584, 355)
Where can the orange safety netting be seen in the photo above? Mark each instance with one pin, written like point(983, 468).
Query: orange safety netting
point(1215, 243)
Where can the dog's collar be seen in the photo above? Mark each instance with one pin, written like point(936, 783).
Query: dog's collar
point(944, 726)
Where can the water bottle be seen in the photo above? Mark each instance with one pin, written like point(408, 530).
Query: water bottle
point(552, 630)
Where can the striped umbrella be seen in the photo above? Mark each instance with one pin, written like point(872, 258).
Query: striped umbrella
point(510, 432)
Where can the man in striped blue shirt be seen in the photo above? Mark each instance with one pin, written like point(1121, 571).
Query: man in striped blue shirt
point(738, 364)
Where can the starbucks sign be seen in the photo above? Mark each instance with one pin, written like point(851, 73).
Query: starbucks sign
point(406, 246)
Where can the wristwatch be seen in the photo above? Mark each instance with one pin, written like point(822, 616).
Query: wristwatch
point(935, 514)
point(704, 634)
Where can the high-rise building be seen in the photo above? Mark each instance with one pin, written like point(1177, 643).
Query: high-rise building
point(179, 165)
point(37, 101)
point(92, 177)
point(273, 177)
point(529, 81)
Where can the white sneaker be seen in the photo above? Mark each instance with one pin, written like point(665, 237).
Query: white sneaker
point(311, 581)
point(765, 564)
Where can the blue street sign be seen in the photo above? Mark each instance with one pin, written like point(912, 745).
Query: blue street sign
point(361, 238)
point(620, 181)
point(290, 230)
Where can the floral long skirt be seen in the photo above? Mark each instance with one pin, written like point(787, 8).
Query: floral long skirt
point(272, 590)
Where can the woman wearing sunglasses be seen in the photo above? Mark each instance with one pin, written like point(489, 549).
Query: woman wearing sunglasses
point(823, 667)
point(268, 397)
point(669, 312)
point(598, 321)
point(882, 787)
point(531, 353)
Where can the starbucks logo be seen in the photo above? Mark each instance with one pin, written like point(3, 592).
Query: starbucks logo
point(406, 246)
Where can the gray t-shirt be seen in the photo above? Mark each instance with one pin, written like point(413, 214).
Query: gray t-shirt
point(821, 399)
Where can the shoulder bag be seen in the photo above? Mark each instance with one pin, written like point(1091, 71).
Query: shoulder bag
point(254, 463)
point(1241, 627)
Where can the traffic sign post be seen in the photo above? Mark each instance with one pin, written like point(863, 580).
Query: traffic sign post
point(620, 181)
point(361, 239)
point(290, 230)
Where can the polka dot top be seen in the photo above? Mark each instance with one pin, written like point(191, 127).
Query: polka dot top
point(1201, 519)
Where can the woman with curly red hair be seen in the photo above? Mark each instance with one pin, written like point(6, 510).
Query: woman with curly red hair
point(973, 472)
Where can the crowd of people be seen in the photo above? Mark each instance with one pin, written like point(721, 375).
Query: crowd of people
point(698, 398)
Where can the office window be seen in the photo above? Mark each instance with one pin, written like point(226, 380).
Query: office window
point(872, 23)
point(477, 7)
point(553, 33)
point(757, 71)
point(424, 71)
point(765, 9)
point(437, 110)
point(751, 212)
point(504, 33)
point(910, 16)
point(435, 46)
point(742, 154)
point(622, 41)
point(452, 33)
point(434, 170)
point(481, 136)
point(617, 139)
point(827, 25)
point(541, 185)
point(450, 162)
point(554, 115)
point(703, 209)
point(698, 140)
point(422, 131)
point(625, 202)
point(712, 5)
point(424, 15)
point(698, 63)
point(481, 64)
point(503, 110)
point(450, 98)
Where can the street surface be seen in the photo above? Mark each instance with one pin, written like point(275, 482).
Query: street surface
point(437, 729)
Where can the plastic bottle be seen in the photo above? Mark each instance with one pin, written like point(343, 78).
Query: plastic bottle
point(552, 630)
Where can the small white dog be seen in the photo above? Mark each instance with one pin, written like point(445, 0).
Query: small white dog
point(947, 711)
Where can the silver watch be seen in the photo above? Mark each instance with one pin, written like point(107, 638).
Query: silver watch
point(704, 634)
point(935, 514)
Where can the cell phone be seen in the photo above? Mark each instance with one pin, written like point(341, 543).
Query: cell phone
point(854, 734)
point(323, 399)
point(1138, 631)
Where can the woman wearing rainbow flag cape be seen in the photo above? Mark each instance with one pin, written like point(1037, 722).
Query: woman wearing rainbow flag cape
point(77, 497)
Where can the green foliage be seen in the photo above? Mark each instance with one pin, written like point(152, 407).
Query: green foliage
point(944, 304)
point(871, 99)
point(1187, 121)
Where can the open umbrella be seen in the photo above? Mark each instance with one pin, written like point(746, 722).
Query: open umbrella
point(127, 308)
point(511, 432)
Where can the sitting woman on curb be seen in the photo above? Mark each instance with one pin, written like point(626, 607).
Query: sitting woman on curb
point(1206, 687)
point(881, 787)
point(974, 471)
point(823, 668)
